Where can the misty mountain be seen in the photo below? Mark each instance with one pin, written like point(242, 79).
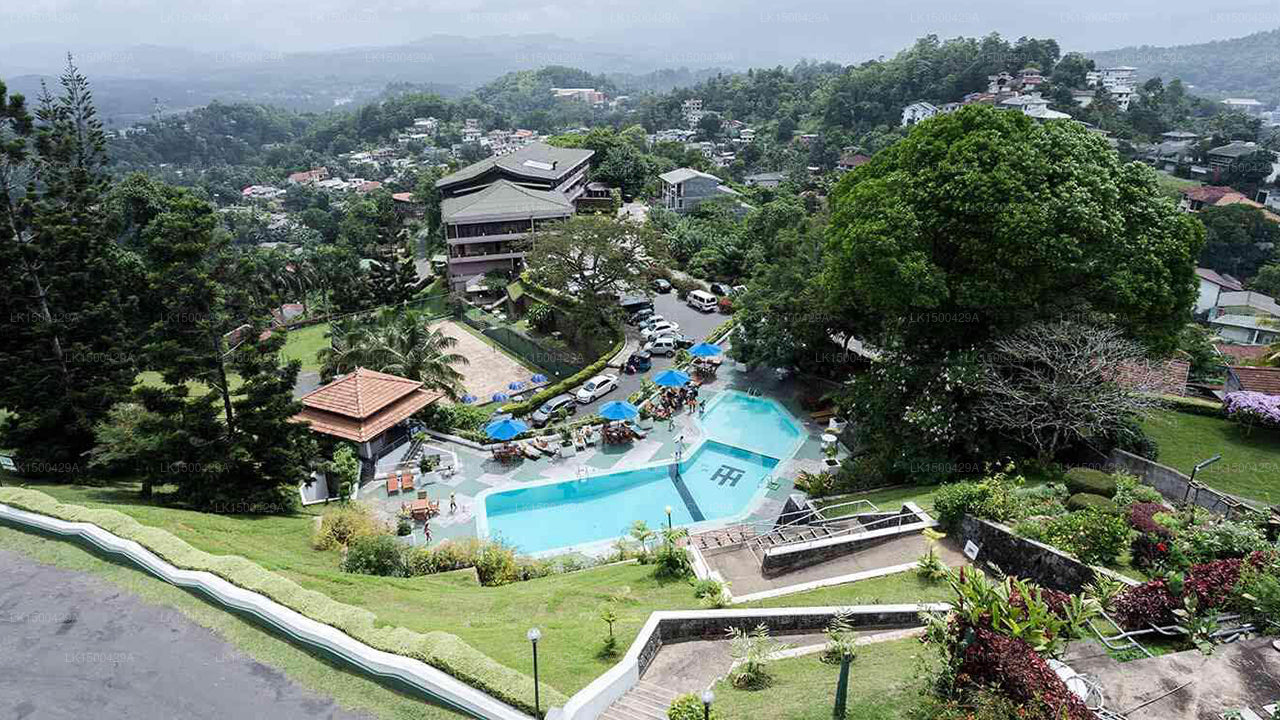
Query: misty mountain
point(1241, 67)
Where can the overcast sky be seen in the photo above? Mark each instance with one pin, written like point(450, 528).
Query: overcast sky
point(737, 32)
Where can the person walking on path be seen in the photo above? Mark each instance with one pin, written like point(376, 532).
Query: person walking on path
point(453, 503)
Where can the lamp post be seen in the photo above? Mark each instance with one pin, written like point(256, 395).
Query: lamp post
point(534, 636)
point(842, 687)
point(668, 517)
point(1198, 467)
point(708, 697)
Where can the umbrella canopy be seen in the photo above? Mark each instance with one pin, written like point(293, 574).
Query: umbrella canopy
point(618, 410)
point(505, 429)
point(469, 398)
point(671, 378)
point(500, 397)
point(516, 385)
point(539, 378)
point(704, 350)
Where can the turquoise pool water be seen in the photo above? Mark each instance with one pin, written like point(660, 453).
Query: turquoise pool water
point(746, 439)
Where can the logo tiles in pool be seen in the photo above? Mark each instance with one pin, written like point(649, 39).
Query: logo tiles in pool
point(729, 474)
point(695, 512)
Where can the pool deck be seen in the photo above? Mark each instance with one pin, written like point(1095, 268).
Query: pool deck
point(477, 471)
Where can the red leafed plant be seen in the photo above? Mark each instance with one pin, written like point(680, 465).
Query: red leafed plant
point(1153, 603)
point(1151, 544)
point(996, 660)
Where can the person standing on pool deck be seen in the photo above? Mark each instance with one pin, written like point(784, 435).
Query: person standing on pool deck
point(453, 503)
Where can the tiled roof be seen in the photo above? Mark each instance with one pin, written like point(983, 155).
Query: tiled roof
point(1241, 352)
point(359, 394)
point(1257, 379)
point(536, 161)
point(363, 404)
point(1228, 283)
point(505, 198)
point(1206, 193)
point(854, 160)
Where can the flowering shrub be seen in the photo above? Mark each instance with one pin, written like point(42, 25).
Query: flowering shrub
point(1013, 666)
point(1095, 536)
point(994, 498)
point(1151, 544)
point(1253, 408)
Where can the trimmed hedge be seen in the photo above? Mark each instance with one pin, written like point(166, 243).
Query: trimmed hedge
point(1088, 480)
point(1081, 501)
point(441, 650)
point(535, 401)
point(1194, 406)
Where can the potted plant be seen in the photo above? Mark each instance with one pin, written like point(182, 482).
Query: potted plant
point(566, 443)
point(646, 417)
point(830, 459)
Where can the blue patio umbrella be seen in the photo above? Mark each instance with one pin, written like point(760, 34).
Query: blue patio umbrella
point(505, 429)
point(705, 350)
point(539, 378)
point(469, 398)
point(516, 385)
point(671, 378)
point(619, 410)
point(500, 397)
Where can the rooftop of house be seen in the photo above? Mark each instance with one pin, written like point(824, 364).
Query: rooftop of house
point(1234, 149)
point(505, 198)
point(772, 176)
point(679, 175)
point(1254, 300)
point(1208, 194)
point(924, 104)
point(535, 161)
point(854, 160)
point(1223, 281)
point(362, 404)
point(1264, 380)
point(1248, 322)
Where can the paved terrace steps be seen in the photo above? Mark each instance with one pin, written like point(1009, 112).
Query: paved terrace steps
point(723, 537)
point(645, 701)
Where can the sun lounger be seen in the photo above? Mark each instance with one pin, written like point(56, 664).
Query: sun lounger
point(543, 446)
point(823, 415)
point(529, 452)
point(406, 482)
point(393, 483)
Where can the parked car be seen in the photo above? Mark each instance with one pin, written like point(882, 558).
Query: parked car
point(651, 321)
point(721, 290)
point(543, 415)
point(660, 285)
point(596, 387)
point(663, 345)
point(639, 361)
point(663, 328)
point(640, 317)
point(739, 289)
point(682, 341)
point(632, 304)
point(701, 300)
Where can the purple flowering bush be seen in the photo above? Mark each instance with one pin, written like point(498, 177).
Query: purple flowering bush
point(1253, 408)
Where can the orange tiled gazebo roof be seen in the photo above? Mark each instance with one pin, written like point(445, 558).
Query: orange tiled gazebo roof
point(361, 405)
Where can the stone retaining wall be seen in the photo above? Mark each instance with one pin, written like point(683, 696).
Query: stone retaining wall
point(795, 556)
point(1025, 558)
point(1174, 486)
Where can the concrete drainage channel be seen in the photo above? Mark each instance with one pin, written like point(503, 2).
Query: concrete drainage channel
point(423, 679)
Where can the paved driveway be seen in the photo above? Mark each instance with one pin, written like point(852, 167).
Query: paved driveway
point(74, 646)
point(693, 323)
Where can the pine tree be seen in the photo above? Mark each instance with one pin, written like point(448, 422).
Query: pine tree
point(63, 336)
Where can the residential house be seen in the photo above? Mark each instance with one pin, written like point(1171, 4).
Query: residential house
point(1249, 106)
point(261, 192)
point(1029, 79)
point(1212, 285)
point(724, 159)
point(1083, 98)
point(1244, 302)
point(1111, 77)
point(363, 187)
point(1223, 157)
point(1197, 198)
point(917, 111)
point(590, 96)
point(597, 196)
point(851, 160)
point(488, 208)
point(708, 149)
point(1180, 136)
point(766, 179)
point(999, 83)
point(691, 110)
point(1033, 105)
point(1246, 329)
point(309, 177)
point(1245, 378)
point(684, 189)
point(406, 206)
point(428, 124)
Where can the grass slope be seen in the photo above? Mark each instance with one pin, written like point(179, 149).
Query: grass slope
point(1250, 465)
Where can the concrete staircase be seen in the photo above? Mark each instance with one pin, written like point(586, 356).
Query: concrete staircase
point(645, 701)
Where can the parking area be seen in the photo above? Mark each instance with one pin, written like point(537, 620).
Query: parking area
point(692, 323)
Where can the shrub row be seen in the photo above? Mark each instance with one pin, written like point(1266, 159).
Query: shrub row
point(1088, 480)
point(1194, 406)
point(495, 564)
point(535, 401)
point(441, 650)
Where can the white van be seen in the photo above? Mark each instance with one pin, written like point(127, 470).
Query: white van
point(702, 300)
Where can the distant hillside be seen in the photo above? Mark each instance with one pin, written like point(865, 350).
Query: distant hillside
point(1243, 67)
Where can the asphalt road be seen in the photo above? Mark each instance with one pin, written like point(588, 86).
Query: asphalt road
point(74, 646)
point(693, 323)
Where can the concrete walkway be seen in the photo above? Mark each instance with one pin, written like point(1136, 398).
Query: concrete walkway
point(72, 645)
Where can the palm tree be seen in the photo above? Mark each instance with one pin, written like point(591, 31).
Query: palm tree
point(397, 342)
point(642, 534)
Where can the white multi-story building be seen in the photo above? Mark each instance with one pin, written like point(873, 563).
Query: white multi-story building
point(692, 111)
point(917, 111)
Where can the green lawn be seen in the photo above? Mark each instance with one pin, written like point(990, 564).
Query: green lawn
point(354, 692)
point(1250, 465)
point(493, 620)
point(1172, 186)
point(882, 686)
point(304, 343)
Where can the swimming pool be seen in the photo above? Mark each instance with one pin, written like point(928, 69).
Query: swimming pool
point(746, 438)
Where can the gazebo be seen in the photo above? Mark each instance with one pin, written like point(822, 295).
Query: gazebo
point(365, 407)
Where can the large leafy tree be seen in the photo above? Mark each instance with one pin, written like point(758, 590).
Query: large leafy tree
point(1239, 239)
point(64, 285)
point(983, 221)
point(397, 342)
point(588, 257)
